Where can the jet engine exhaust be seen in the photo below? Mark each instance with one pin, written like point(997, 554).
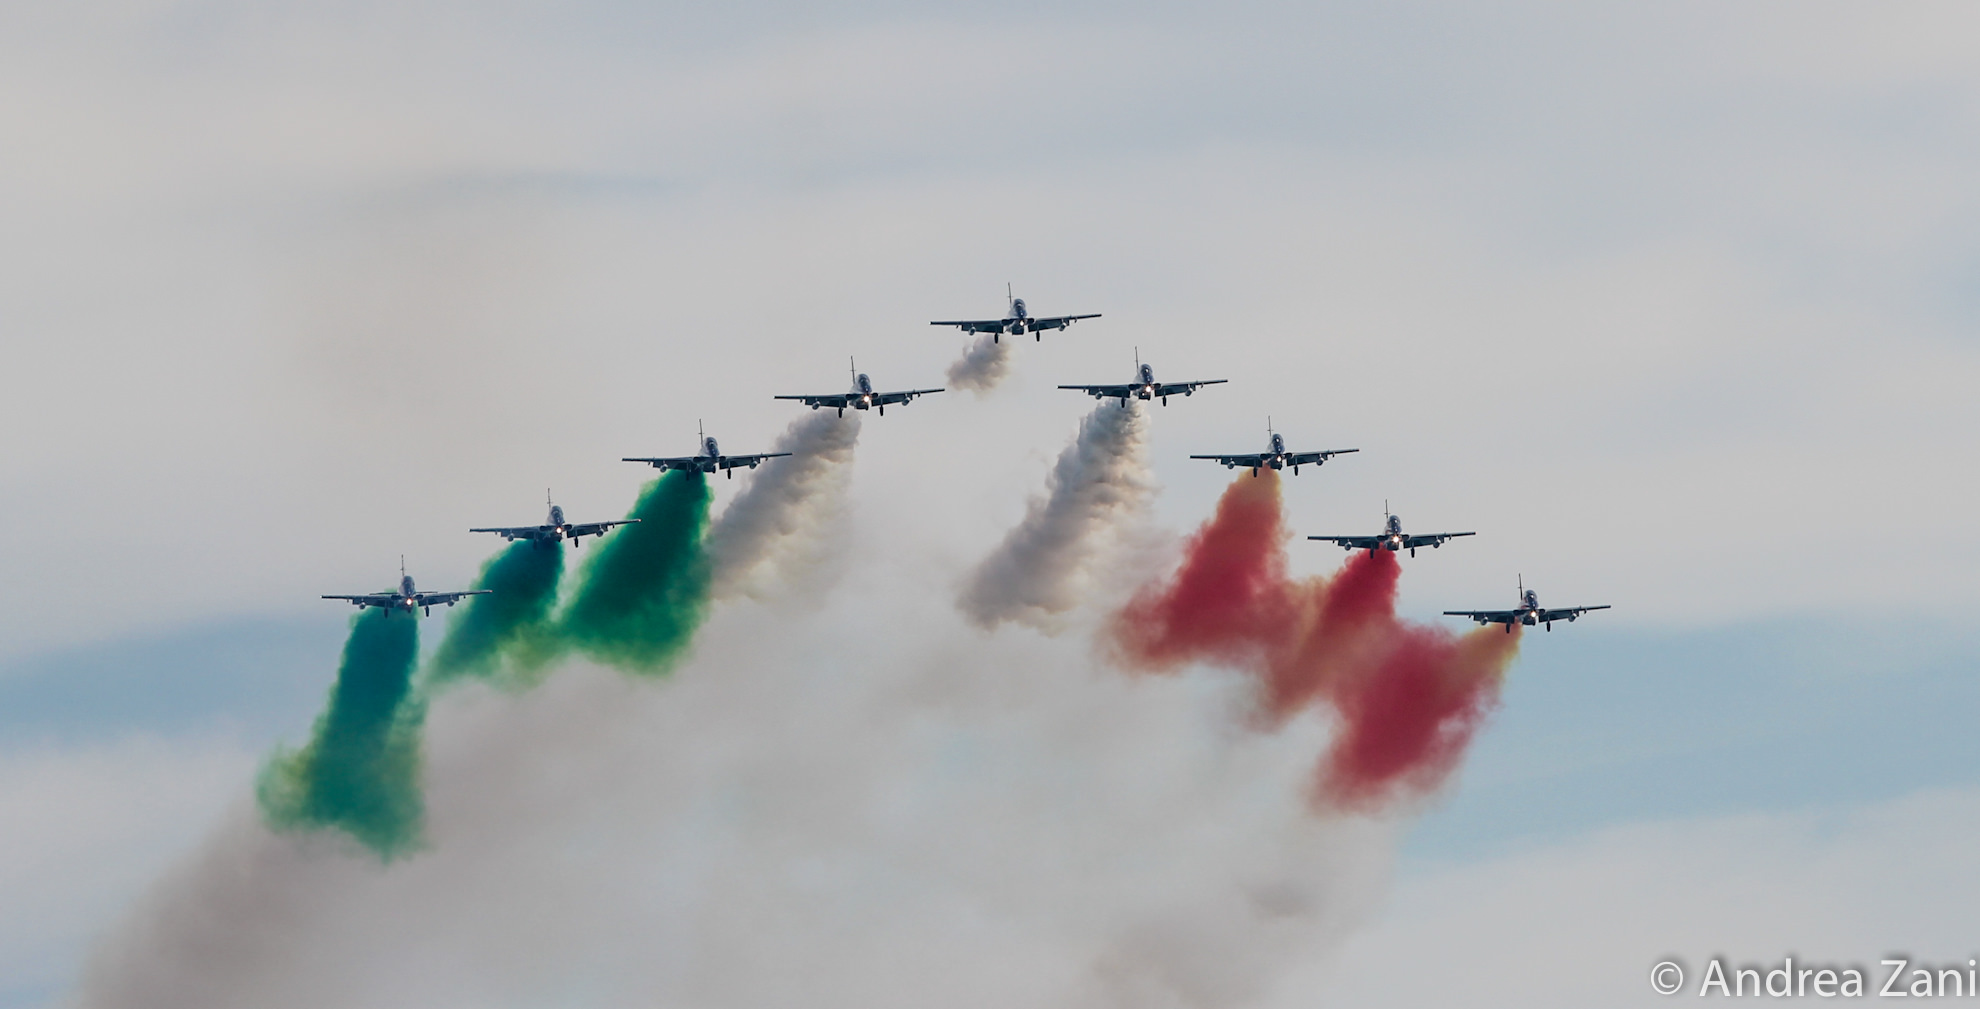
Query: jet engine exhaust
point(983, 364)
point(1040, 570)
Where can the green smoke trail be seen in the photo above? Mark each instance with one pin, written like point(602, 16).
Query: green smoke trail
point(359, 772)
point(506, 637)
point(645, 589)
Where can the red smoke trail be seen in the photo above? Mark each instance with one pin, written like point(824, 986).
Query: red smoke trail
point(1407, 698)
point(1230, 600)
point(1405, 722)
point(1353, 615)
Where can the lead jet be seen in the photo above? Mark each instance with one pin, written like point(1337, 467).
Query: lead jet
point(407, 598)
point(1527, 613)
point(1144, 387)
point(556, 530)
point(862, 396)
point(709, 460)
point(1016, 322)
point(1392, 537)
point(1275, 455)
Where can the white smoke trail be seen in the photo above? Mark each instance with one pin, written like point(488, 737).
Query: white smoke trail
point(798, 818)
point(984, 363)
point(1042, 569)
point(779, 531)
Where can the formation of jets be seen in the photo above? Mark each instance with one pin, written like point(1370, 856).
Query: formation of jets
point(1391, 538)
point(1527, 613)
point(407, 598)
point(556, 530)
point(862, 396)
point(708, 460)
point(1017, 321)
point(1144, 387)
point(1276, 455)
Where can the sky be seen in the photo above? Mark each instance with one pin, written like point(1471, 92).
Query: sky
point(1673, 304)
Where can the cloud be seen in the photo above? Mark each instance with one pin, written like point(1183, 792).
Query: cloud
point(1564, 923)
point(87, 828)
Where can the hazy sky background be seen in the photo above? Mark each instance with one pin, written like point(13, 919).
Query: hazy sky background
point(1674, 305)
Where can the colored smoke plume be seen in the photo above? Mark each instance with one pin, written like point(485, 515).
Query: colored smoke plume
point(983, 364)
point(1041, 569)
point(359, 772)
point(1406, 698)
point(1229, 601)
point(644, 590)
point(1406, 721)
point(776, 532)
point(507, 636)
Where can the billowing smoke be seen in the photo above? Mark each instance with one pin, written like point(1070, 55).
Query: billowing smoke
point(644, 590)
point(983, 364)
point(1405, 698)
point(1042, 569)
point(778, 532)
point(359, 772)
point(867, 809)
point(507, 635)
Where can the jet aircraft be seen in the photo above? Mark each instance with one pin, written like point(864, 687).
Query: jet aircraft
point(1527, 613)
point(1016, 322)
point(862, 396)
point(708, 460)
point(1144, 387)
point(1275, 455)
point(555, 530)
point(407, 598)
point(1392, 537)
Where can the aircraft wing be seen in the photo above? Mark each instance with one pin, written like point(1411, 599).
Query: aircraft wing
point(1568, 613)
point(891, 398)
point(448, 598)
point(1058, 321)
point(369, 599)
point(733, 461)
point(517, 532)
point(683, 462)
point(1431, 539)
point(1185, 388)
point(1105, 391)
point(976, 325)
point(597, 528)
point(1351, 542)
point(839, 400)
point(1316, 458)
point(1251, 460)
point(1487, 616)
